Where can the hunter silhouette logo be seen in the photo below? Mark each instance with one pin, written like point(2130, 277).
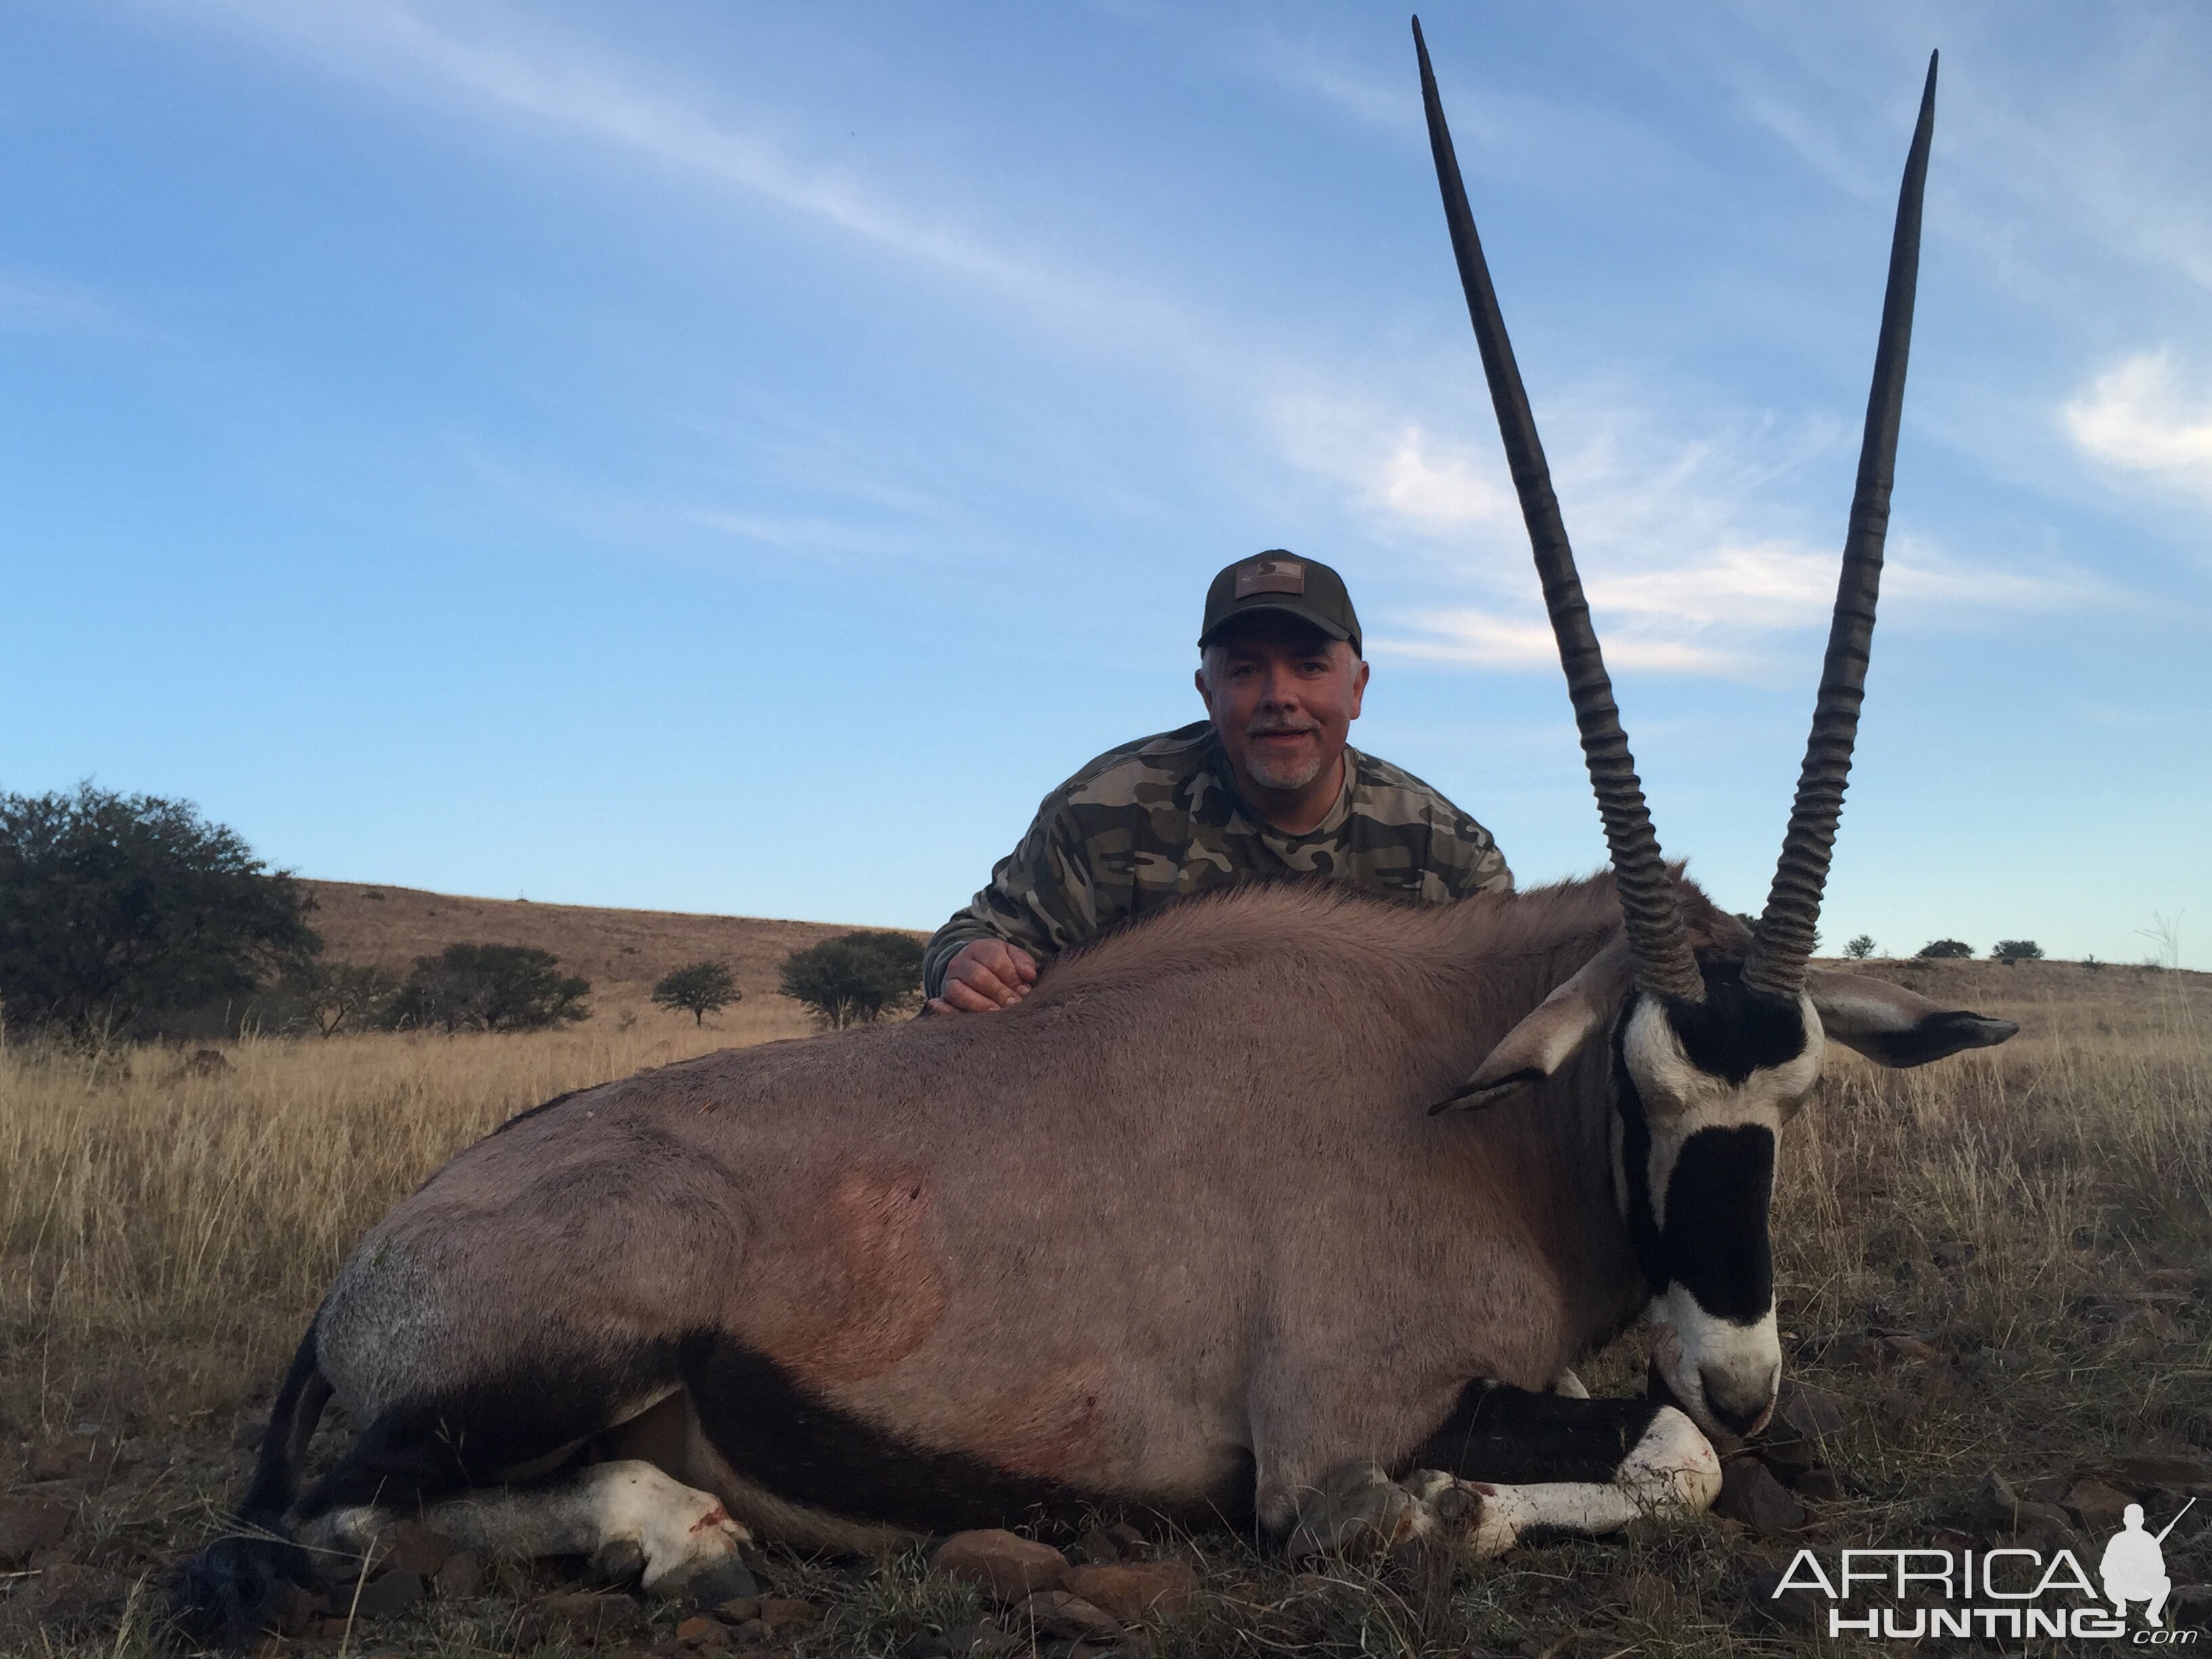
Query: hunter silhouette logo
point(2134, 1567)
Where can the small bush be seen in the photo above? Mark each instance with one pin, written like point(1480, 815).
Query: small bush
point(1940, 949)
point(488, 988)
point(854, 978)
point(2009, 951)
point(702, 988)
point(333, 995)
point(1860, 948)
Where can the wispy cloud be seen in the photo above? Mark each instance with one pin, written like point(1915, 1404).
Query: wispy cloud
point(533, 73)
point(1676, 570)
point(2138, 416)
point(29, 303)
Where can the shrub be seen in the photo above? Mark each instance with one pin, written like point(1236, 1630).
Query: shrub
point(116, 908)
point(488, 988)
point(1941, 948)
point(702, 988)
point(854, 978)
point(1860, 948)
point(331, 995)
point(2009, 951)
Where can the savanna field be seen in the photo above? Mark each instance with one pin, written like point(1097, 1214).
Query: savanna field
point(2000, 1265)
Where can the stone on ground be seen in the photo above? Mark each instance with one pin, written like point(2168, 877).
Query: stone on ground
point(1135, 1592)
point(1004, 1564)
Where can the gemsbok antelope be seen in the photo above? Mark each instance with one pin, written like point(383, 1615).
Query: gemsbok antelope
point(1190, 1230)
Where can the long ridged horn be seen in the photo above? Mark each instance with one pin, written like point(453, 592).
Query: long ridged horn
point(1786, 929)
point(1664, 964)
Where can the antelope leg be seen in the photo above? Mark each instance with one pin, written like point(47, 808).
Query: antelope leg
point(623, 1511)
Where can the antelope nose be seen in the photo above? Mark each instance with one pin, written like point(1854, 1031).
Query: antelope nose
point(1740, 1412)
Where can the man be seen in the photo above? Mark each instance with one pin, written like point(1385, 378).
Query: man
point(1265, 786)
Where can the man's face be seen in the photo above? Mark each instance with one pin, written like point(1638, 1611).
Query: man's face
point(1282, 696)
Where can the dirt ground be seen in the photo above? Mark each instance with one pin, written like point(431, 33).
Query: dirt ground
point(1998, 1266)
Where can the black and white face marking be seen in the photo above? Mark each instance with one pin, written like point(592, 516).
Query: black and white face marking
point(1701, 1090)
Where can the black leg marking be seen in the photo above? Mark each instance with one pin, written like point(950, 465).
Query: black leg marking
point(426, 1448)
point(808, 1452)
point(1508, 1435)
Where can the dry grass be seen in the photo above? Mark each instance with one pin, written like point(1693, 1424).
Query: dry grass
point(165, 1233)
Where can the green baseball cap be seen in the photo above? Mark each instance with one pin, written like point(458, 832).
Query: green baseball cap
point(1280, 581)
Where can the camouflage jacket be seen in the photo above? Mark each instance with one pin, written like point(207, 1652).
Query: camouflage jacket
point(1160, 818)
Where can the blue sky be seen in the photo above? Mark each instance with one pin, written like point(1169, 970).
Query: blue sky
point(738, 458)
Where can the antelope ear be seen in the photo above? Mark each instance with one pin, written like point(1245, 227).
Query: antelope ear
point(1543, 1041)
point(1892, 1026)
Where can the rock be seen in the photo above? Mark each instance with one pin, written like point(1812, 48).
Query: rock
point(1796, 1609)
point(1789, 1457)
point(2044, 1488)
point(2096, 1505)
point(1136, 1592)
point(1098, 1548)
point(334, 1628)
point(2187, 1476)
point(2189, 1607)
point(1751, 1494)
point(1814, 1414)
point(76, 1457)
point(297, 1609)
point(28, 1525)
point(700, 1634)
point(1127, 1538)
point(1818, 1484)
point(1644, 1595)
point(1996, 1507)
point(461, 1576)
point(1006, 1565)
point(1056, 1613)
point(963, 1642)
point(737, 1610)
point(586, 1617)
point(413, 1547)
point(2044, 1527)
point(781, 1613)
point(389, 1595)
point(1916, 1349)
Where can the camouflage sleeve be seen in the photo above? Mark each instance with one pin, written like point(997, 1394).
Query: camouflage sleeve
point(1465, 857)
point(1042, 897)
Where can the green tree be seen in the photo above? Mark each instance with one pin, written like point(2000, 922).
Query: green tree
point(854, 978)
point(1939, 948)
point(1860, 948)
point(116, 908)
point(488, 988)
point(2009, 951)
point(702, 988)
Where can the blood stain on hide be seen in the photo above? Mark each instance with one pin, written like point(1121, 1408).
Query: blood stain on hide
point(1053, 1428)
point(877, 1288)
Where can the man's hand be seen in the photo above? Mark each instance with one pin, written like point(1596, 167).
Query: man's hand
point(986, 976)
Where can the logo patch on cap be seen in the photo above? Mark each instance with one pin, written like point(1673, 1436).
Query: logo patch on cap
point(1271, 576)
